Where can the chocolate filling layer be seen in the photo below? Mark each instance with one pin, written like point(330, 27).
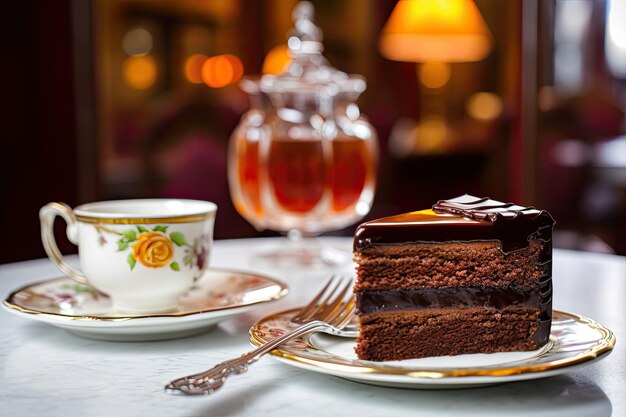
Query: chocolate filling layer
point(370, 302)
point(499, 298)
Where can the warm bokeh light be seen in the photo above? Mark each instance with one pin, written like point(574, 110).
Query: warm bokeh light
point(237, 66)
point(548, 98)
point(140, 72)
point(435, 30)
point(484, 106)
point(276, 60)
point(434, 74)
point(137, 42)
point(222, 70)
point(193, 68)
point(431, 135)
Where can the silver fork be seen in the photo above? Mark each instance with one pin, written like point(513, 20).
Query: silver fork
point(329, 311)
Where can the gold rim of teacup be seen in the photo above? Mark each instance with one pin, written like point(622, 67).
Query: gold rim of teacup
point(146, 220)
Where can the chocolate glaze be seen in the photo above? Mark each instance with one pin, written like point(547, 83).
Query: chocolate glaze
point(462, 219)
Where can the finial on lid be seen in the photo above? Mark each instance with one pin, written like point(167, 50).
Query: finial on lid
point(306, 36)
point(308, 68)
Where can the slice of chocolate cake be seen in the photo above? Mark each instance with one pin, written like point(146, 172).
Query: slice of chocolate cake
point(472, 275)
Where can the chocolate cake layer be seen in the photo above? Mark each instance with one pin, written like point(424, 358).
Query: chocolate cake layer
point(464, 219)
point(498, 298)
point(471, 275)
point(418, 334)
point(441, 265)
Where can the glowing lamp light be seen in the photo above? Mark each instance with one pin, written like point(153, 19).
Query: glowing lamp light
point(436, 33)
point(435, 30)
point(140, 72)
point(276, 60)
point(193, 68)
point(222, 70)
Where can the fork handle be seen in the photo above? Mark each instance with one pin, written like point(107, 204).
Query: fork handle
point(211, 380)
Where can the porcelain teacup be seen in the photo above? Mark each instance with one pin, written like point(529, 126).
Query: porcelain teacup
point(143, 253)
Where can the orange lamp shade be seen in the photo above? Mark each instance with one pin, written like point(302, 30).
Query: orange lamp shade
point(435, 30)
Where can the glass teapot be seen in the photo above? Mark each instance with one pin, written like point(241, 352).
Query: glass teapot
point(303, 159)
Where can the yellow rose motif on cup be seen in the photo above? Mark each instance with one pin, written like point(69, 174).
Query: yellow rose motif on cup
point(153, 246)
point(153, 249)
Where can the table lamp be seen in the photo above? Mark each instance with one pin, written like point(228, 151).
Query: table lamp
point(435, 33)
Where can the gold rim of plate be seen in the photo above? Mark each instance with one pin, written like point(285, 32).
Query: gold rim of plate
point(9, 301)
point(354, 366)
point(146, 220)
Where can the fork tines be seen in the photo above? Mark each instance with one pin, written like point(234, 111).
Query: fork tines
point(327, 300)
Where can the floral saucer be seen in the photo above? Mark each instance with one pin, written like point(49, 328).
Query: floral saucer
point(82, 310)
point(575, 341)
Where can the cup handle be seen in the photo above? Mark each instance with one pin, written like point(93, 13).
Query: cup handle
point(47, 215)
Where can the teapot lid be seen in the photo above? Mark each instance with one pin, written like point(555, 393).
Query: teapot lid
point(309, 70)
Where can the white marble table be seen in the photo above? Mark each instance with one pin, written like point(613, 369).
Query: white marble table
point(47, 371)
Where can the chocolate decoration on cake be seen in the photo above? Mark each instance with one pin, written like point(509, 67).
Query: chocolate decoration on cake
point(483, 208)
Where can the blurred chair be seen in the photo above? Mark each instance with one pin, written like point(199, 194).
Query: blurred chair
point(588, 206)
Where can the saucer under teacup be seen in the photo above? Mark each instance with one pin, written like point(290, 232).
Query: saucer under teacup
point(82, 310)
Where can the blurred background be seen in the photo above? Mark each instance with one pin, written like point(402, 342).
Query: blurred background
point(115, 99)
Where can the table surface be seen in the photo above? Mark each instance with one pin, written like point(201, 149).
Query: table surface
point(48, 371)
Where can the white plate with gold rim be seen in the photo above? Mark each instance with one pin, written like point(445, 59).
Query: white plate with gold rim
point(575, 341)
point(217, 295)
